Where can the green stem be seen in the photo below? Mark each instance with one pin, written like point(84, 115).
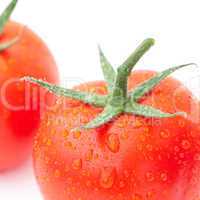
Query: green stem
point(148, 111)
point(6, 14)
point(148, 85)
point(93, 99)
point(107, 69)
point(120, 88)
point(132, 60)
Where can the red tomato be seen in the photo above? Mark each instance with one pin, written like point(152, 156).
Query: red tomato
point(130, 158)
point(19, 105)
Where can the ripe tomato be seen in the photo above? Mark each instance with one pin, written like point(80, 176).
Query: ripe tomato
point(129, 158)
point(19, 104)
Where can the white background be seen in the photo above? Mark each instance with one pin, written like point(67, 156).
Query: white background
point(73, 28)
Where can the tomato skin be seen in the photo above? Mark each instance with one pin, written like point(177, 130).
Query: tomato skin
point(130, 158)
point(20, 107)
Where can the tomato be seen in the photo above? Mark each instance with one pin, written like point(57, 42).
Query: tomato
point(132, 158)
point(20, 107)
point(146, 155)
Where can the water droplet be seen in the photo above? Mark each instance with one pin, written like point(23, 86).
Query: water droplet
point(57, 173)
point(181, 123)
point(139, 147)
point(84, 172)
point(77, 134)
point(149, 176)
point(121, 184)
point(149, 147)
point(124, 136)
point(197, 157)
point(73, 189)
point(47, 159)
point(163, 176)
point(179, 162)
point(165, 134)
point(49, 142)
point(159, 157)
point(137, 123)
point(176, 149)
point(113, 143)
point(96, 156)
point(65, 134)
point(89, 155)
point(126, 174)
point(181, 155)
point(77, 164)
point(150, 195)
point(146, 130)
point(142, 138)
point(136, 197)
point(186, 144)
point(120, 125)
point(88, 183)
point(107, 177)
point(69, 145)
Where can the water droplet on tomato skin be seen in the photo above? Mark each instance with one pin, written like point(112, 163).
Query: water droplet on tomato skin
point(57, 173)
point(124, 136)
point(186, 144)
point(139, 147)
point(121, 184)
point(47, 160)
point(149, 176)
point(138, 123)
point(77, 164)
point(181, 123)
point(126, 173)
point(165, 134)
point(150, 195)
point(76, 134)
point(49, 142)
point(142, 137)
point(149, 147)
point(181, 155)
point(88, 183)
point(197, 157)
point(113, 143)
point(107, 177)
point(164, 176)
point(65, 134)
point(89, 155)
point(69, 145)
point(136, 197)
point(159, 157)
point(176, 149)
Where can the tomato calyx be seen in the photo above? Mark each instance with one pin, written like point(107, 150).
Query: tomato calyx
point(5, 16)
point(118, 100)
